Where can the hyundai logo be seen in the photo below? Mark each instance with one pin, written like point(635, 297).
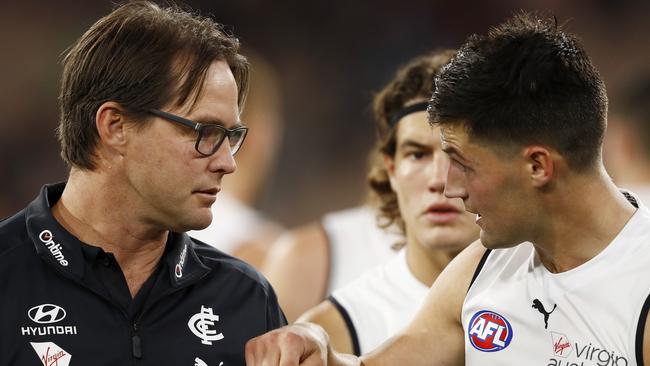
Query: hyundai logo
point(46, 313)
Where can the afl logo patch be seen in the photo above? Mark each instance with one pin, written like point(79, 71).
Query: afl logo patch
point(489, 331)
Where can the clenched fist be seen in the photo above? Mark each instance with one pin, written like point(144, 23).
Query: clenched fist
point(298, 344)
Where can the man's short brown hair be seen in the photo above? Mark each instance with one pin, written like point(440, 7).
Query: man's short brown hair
point(143, 57)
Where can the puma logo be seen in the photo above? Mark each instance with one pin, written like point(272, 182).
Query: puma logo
point(200, 362)
point(538, 305)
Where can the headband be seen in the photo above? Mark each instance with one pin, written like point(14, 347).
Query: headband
point(417, 107)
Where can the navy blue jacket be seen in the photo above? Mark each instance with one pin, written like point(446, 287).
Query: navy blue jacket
point(64, 302)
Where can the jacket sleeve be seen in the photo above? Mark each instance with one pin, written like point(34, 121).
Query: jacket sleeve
point(274, 316)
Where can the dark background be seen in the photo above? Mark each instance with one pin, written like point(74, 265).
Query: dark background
point(330, 56)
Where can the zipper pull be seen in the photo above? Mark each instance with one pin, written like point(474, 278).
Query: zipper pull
point(136, 342)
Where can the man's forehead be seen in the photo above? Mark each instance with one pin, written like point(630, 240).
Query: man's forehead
point(452, 134)
point(454, 141)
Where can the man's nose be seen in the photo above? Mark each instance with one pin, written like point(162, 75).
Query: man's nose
point(455, 184)
point(223, 160)
point(438, 174)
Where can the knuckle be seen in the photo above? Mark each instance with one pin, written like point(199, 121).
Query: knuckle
point(272, 337)
point(250, 345)
point(293, 340)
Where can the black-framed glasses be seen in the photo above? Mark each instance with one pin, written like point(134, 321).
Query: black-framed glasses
point(210, 136)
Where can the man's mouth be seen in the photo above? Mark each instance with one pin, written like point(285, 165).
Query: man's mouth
point(442, 213)
point(209, 191)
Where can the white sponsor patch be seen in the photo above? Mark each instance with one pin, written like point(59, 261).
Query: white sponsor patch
point(50, 354)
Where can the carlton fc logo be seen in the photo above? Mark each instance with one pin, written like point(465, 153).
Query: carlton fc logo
point(489, 331)
point(201, 323)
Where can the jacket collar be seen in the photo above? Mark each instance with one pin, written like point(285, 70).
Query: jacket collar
point(184, 264)
point(62, 250)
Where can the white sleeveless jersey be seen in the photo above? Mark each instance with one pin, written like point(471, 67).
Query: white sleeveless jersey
point(516, 312)
point(233, 223)
point(379, 303)
point(356, 244)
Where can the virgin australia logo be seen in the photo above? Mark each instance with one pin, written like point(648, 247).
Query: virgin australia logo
point(200, 324)
point(50, 354)
point(561, 344)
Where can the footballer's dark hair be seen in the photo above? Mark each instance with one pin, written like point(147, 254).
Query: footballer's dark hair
point(526, 82)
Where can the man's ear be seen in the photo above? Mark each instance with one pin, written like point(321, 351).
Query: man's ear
point(540, 164)
point(110, 121)
point(389, 165)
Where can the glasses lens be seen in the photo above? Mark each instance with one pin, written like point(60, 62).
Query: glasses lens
point(236, 139)
point(210, 138)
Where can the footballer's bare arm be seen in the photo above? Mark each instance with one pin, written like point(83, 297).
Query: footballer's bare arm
point(434, 337)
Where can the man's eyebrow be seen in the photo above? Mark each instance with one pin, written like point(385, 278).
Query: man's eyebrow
point(449, 149)
point(413, 143)
point(216, 121)
point(452, 151)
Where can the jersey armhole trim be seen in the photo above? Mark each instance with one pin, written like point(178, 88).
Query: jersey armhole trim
point(638, 345)
point(348, 322)
point(481, 263)
point(330, 259)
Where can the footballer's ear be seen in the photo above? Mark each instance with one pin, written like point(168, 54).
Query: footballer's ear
point(389, 163)
point(540, 164)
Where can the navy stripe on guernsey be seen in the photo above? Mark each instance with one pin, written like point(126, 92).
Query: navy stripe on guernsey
point(630, 198)
point(481, 263)
point(330, 259)
point(348, 321)
point(640, 331)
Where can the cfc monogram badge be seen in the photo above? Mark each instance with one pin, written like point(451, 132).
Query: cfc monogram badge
point(201, 323)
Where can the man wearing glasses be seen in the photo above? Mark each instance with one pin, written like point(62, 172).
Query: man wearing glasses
point(98, 269)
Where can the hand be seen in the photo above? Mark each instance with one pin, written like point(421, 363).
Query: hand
point(298, 344)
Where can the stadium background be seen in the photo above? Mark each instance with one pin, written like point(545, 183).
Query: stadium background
point(329, 55)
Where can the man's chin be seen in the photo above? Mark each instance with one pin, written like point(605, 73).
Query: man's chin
point(196, 222)
point(492, 242)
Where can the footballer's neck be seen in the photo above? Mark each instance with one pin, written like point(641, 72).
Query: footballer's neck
point(582, 217)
